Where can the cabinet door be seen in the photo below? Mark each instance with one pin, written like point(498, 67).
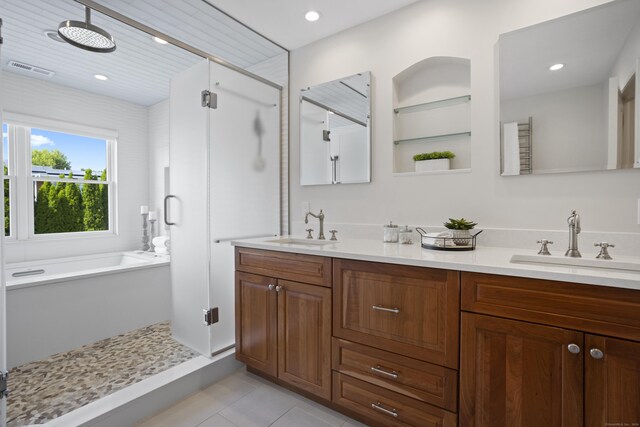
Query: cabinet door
point(402, 309)
point(612, 394)
point(256, 322)
point(304, 336)
point(519, 374)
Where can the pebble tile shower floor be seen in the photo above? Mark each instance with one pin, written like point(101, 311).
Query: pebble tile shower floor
point(46, 389)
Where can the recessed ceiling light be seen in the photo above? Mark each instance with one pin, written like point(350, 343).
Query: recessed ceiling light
point(159, 40)
point(101, 77)
point(312, 16)
point(556, 67)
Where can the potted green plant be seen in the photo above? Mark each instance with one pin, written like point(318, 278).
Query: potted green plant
point(460, 230)
point(434, 161)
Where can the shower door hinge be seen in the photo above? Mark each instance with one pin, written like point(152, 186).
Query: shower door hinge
point(4, 391)
point(209, 99)
point(210, 316)
point(1, 31)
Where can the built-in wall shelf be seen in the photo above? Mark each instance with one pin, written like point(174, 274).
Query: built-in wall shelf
point(441, 103)
point(432, 113)
point(433, 137)
point(450, 171)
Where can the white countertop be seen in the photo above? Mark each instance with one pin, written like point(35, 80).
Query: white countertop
point(481, 260)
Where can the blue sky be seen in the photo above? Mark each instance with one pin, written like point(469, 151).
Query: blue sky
point(83, 152)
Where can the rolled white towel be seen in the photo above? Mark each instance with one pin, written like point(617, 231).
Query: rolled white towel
point(440, 234)
point(161, 244)
point(161, 241)
point(437, 238)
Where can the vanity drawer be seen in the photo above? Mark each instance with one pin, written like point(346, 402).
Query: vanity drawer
point(597, 309)
point(315, 270)
point(402, 309)
point(410, 377)
point(386, 408)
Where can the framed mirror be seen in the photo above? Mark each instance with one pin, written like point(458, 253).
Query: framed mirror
point(335, 131)
point(568, 92)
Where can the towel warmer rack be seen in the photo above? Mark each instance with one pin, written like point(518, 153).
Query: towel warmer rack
point(525, 132)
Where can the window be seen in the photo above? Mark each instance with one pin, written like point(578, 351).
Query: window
point(58, 179)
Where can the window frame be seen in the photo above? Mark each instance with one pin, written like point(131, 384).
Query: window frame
point(21, 200)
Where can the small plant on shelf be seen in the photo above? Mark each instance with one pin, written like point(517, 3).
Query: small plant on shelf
point(435, 161)
point(460, 230)
point(460, 224)
point(434, 156)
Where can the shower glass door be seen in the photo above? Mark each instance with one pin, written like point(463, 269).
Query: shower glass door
point(244, 181)
point(225, 185)
point(187, 209)
point(3, 289)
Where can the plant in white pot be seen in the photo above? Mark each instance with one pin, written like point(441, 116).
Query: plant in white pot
point(435, 161)
point(460, 228)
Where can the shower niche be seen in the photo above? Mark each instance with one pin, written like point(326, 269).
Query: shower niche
point(431, 113)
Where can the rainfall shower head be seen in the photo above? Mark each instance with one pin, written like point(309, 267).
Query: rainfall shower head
point(86, 36)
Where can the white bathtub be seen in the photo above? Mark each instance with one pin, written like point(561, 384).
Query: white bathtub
point(34, 273)
point(60, 304)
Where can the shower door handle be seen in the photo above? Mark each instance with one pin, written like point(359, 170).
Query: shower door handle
point(166, 209)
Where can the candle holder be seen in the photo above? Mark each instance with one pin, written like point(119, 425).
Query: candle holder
point(145, 234)
point(151, 246)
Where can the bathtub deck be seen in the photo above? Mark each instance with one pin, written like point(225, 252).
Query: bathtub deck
point(46, 389)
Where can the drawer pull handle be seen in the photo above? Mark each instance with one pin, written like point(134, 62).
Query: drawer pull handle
point(379, 370)
point(378, 407)
point(394, 310)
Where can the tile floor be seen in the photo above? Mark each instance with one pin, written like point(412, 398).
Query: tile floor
point(246, 400)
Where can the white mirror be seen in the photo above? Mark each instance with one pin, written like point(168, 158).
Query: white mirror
point(335, 131)
point(568, 92)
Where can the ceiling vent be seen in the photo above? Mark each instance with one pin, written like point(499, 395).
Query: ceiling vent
point(30, 68)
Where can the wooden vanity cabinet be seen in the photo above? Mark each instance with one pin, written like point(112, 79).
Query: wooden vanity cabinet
point(283, 327)
point(395, 347)
point(533, 352)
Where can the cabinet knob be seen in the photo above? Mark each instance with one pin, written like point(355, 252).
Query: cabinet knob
point(271, 287)
point(596, 353)
point(279, 288)
point(573, 348)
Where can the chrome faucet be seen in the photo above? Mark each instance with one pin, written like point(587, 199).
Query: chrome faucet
point(574, 230)
point(320, 217)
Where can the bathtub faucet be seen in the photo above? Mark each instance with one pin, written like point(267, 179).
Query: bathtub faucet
point(320, 217)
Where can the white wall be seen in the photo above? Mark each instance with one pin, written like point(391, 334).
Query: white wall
point(625, 64)
point(569, 127)
point(158, 161)
point(43, 99)
point(606, 200)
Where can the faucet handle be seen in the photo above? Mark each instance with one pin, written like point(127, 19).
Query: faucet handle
point(604, 253)
point(309, 230)
point(544, 250)
point(333, 234)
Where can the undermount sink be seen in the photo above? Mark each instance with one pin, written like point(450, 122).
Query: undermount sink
point(592, 263)
point(304, 242)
